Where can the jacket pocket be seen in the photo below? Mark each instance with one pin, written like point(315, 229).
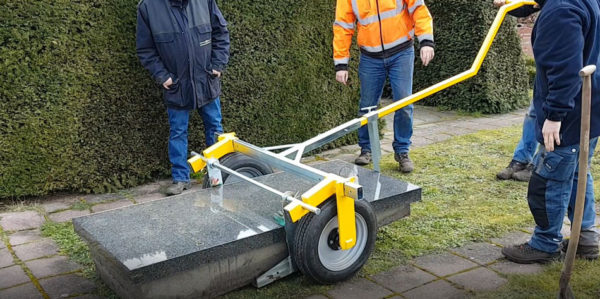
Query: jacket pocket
point(173, 95)
point(557, 166)
point(214, 86)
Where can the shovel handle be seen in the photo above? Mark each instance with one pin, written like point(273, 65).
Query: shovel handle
point(584, 141)
point(587, 71)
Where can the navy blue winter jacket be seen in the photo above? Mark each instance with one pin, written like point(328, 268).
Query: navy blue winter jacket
point(565, 38)
point(184, 40)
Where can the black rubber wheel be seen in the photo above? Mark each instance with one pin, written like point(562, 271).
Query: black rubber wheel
point(241, 163)
point(316, 243)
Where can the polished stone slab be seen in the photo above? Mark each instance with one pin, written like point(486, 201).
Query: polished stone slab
point(208, 242)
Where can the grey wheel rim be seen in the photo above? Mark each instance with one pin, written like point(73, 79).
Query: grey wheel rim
point(339, 260)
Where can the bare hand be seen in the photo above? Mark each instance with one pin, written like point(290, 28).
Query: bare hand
point(342, 77)
point(427, 54)
point(551, 133)
point(499, 3)
point(168, 83)
point(216, 73)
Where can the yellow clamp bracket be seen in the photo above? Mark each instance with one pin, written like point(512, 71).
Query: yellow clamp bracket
point(328, 187)
point(223, 147)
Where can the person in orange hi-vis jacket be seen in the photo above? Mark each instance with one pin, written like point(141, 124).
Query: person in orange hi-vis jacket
point(386, 31)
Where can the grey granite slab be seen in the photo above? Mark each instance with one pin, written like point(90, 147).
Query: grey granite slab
point(213, 240)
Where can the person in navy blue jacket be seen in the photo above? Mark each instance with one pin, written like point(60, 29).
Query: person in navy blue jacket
point(184, 44)
point(565, 38)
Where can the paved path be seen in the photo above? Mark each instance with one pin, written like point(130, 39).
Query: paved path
point(30, 266)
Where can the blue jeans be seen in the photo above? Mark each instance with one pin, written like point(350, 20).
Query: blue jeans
point(528, 144)
point(552, 192)
point(178, 136)
point(372, 73)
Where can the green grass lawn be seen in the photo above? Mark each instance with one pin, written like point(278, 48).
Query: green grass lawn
point(462, 202)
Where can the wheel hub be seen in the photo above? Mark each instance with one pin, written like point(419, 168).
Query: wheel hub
point(333, 240)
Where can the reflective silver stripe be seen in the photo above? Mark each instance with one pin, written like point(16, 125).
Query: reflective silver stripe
point(387, 46)
point(384, 15)
point(423, 37)
point(341, 61)
point(417, 4)
point(355, 9)
point(344, 25)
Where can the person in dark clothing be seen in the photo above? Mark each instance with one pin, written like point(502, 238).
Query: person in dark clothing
point(184, 44)
point(521, 165)
point(565, 38)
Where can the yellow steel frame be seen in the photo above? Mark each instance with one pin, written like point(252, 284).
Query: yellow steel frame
point(333, 185)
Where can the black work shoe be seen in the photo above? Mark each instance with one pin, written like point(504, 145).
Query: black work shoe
point(523, 175)
point(513, 167)
point(178, 187)
point(525, 254)
point(404, 163)
point(583, 251)
point(363, 159)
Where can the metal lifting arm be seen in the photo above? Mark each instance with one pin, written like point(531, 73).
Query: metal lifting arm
point(345, 190)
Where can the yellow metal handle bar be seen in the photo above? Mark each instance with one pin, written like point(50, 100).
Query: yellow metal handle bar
point(485, 47)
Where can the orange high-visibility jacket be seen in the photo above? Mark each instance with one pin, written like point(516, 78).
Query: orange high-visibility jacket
point(383, 26)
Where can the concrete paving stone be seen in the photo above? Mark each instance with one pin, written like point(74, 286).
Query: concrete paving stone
point(6, 259)
point(2, 245)
point(67, 215)
point(12, 276)
point(148, 197)
point(68, 285)
point(443, 264)
point(480, 279)
point(102, 198)
point(347, 157)
point(26, 291)
point(21, 220)
point(145, 189)
point(512, 239)
point(111, 205)
point(25, 236)
point(475, 123)
point(482, 253)
point(317, 297)
point(565, 231)
point(45, 247)
point(57, 205)
point(52, 266)
point(436, 289)
point(359, 289)
point(89, 296)
point(420, 141)
point(438, 138)
point(507, 267)
point(387, 147)
point(403, 278)
point(456, 130)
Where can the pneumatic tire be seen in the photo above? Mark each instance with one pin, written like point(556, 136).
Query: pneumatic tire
point(241, 163)
point(316, 243)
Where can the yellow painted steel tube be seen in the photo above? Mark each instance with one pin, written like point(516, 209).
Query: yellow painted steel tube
point(485, 47)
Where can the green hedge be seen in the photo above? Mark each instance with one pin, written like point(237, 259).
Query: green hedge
point(78, 113)
point(460, 26)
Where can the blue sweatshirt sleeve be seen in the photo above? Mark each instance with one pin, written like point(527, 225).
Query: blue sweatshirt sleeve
point(220, 38)
point(558, 53)
point(146, 49)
